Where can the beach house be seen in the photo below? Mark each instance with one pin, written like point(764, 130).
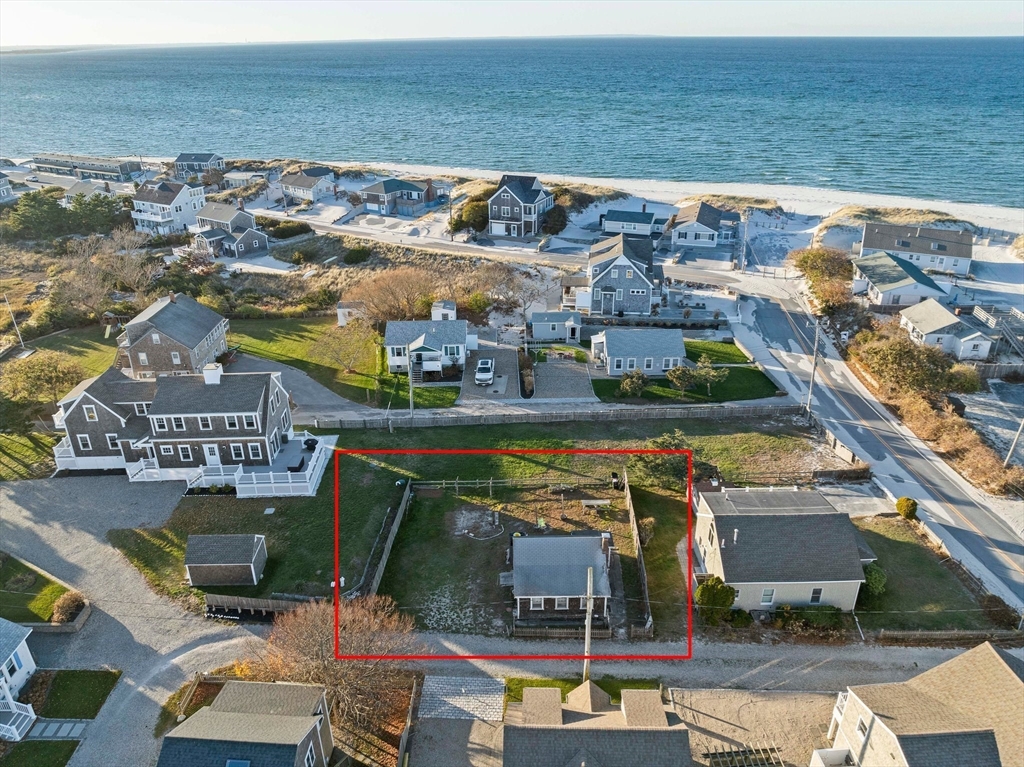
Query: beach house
point(890, 281)
point(517, 209)
point(86, 189)
point(196, 164)
point(701, 225)
point(227, 230)
point(309, 184)
point(555, 326)
point(655, 351)
point(83, 166)
point(6, 193)
point(633, 223)
point(396, 196)
point(167, 207)
point(16, 666)
point(549, 579)
point(929, 323)
point(941, 250)
point(621, 278)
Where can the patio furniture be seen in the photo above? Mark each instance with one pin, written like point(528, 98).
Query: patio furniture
point(310, 443)
point(298, 466)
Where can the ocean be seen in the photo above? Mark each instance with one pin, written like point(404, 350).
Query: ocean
point(939, 119)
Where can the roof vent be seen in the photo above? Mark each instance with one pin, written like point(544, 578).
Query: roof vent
point(735, 535)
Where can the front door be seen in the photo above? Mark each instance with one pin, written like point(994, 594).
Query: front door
point(572, 333)
point(212, 455)
point(515, 230)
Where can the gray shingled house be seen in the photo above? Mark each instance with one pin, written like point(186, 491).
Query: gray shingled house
point(891, 281)
point(549, 578)
point(701, 225)
point(197, 163)
point(966, 711)
point(174, 335)
point(254, 724)
point(588, 731)
point(655, 351)
point(944, 250)
point(226, 230)
point(225, 560)
point(309, 183)
point(517, 209)
point(398, 196)
point(555, 326)
point(621, 279)
point(779, 547)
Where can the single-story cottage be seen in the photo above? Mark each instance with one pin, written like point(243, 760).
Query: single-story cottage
point(398, 196)
point(427, 345)
point(633, 223)
point(549, 577)
point(309, 183)
point(652, 350)
point(225, 560)
point(929, 323)
point(890, 281)
point(701, 225)
point(555, 326)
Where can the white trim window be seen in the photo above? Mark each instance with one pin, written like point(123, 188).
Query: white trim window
point(816, 596)
point(205, 423)
point(561, 603)
point(615, 274)
point(637, 292)
point(767, 596)
point(862, 728)
point(505, 210)
point(166, 450)
point(237, 451)
point(84, 443)
point(111, 441)
point(618, 294)
point(90, 413)
point(631, 363)
point(160, 423)
point(451, 350)
point(141, 408)
point(629, 272)
point(648, 363)
point(397, 351)
point(231, 421)
point(310, 759)
point(143, 359)
point(536, 603)
point(250, 421)
point(256, 451)
point(617, 364)
point(178, 423)
point(175, 358)
point(155, 338)
point(185, 453)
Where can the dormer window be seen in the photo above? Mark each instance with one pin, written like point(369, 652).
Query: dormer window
point(141, 408)
point(178, 423)
point(160, 424)
point(902, 243)
point(938, 246)
point(231, 421)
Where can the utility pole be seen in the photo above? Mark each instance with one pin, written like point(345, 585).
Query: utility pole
point(410, 389)
point(590, 621)
point(450, 232)
point(814, 368)
point(1009, 455)
point(22, 341)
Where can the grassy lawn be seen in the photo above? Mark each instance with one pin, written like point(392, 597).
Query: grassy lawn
point(719, 353)
point(666, 585)
point(920, 593)
point(611, 685)
point(743, 383)
point(87, 345)
point(40, 753)
point(26, 456)
point(168, 717)
point(300, 534)
point(78, 694)
point(25, 595)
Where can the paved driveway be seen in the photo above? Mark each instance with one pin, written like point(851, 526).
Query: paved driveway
point(506, 376)
point(559, 380)
point(60, 525)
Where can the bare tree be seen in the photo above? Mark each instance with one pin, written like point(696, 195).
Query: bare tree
point(360, 691)
point(523, 289)
point(126, 262)
point(350, 344)
point(397, 294)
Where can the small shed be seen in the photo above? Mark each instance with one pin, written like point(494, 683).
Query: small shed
point(225, 560)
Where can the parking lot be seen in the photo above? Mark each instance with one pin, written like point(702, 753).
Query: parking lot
point(506, 376)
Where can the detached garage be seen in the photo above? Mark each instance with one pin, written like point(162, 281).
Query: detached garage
point(225, 560)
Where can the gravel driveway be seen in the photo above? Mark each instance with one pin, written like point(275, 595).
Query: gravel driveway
point(506, 376)
point(60, 525)
point(558, 380)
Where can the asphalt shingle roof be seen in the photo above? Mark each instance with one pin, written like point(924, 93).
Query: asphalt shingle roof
point(951, 243)
point(218, 211)
point(556, 566)
point(88, 188)
point(527, 189)
point(389, 185)
point(191, 395)
point(160, 192)
point(533, 746)
point(113, 387)
point(300, 180)
point(701, 212)
point(641, 343)
point(629, 217)
point(428, 333)
point(542, 705)
point(184, 319)
point(196, 157)
point(210, 724)
point(930, 316)
point(640, 251)
point(277, 698)
point(783, 537)
point(222, 550)
point(556, 317)
point(11, 635)
point(886, 272)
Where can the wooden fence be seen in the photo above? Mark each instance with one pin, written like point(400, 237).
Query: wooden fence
point(402, 507)
point(403, 743)
point(623, 414)
point(222, 605)
point(648, 627)
point(560, 632)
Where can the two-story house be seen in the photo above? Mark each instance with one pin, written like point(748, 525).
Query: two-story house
point(6, 193)
point(966, 711)
point(309, 184)
point(621, 278)
point(167, 207)
point(517, 209)
point(929, 323)
point(82, 166)
point(941, 250)
point(227, 230)
point(196, 164)
point(395, 196)
point(175, 335)
point(172, 426)
point(701, 225)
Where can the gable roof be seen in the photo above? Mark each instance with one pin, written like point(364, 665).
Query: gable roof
point(191, 395)
point(390, 185)
point(702, 213)
point(930, 316)
point(88, 188)
point(11, 636)
point(210, 724)
point(317, 171)
point(277, 698)
point(788, 536)
point(641, 343)
point(112, 387)
point(556, 566)
point(588, 697)
point(639, 251)
point(222, 549)
point(629, 216)
point(918, 239)
point(886, 272)
point(430, 333)
point(542, 705)
point(527, 189)
point(602, 745)
point(643, 708)
point(194, 157)
point(219, 211)
point(184, 319)
point(556, 317)
point(161, 192)
point(301, 180)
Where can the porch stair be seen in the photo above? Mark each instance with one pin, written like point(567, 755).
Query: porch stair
point(416, 373)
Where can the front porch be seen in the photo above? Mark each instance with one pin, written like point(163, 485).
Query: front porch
point(65, 458)
point(16, 719)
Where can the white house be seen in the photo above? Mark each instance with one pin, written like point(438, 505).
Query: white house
point(18, 665)
point(427, 345)
point(517, 209)
point(652, 350)
point(941, 250)
point(555, 326)
point(890, 281)
point(633, 223)
point(309, 184)
point(88, 188)
point(236, 179)
point(196, 164)
point(167, 207)
point(779, 547)
point(929, 323)
point(701, 225)
point(442, 310)
point(349, 310)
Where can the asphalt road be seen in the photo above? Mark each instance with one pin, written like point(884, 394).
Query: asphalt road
point(979, 530)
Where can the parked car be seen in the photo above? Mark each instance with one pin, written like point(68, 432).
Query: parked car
point(32, 178)
point(485, 372)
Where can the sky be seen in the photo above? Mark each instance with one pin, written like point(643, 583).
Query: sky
point(30, 23)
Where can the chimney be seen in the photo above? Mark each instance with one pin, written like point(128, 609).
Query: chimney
point(644, 209)
point(240, 203)
point(106, 187)
point(918, 231)
point(171, 297)
point(735, 535)
point(212, 373)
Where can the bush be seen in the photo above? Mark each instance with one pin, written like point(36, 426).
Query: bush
point(67, 606)
point(288, 229)
point(579, 355)
point(740, 619)
point(214, 489)
point(715, 599)
point(874, 579)
point(248, 312)
point(632, 384)
point(1001, 614)
point(355, 199)
point(555, 220)
point(907, 508)
point(474, 214)
point(820, 616)
point(357, 255)
point(478, 303)
point(646, 529)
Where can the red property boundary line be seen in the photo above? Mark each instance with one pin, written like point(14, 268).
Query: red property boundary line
point(338, 451)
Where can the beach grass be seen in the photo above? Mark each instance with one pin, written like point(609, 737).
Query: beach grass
point(854, 215)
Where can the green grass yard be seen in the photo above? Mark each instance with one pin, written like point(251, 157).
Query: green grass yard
point(25, 595)
point(719, 353)
point(611, 685)
point(666, 585)
point(743, 383)
point(27, 456)
point(78, 694)
point(920, 593)
point(87, 345)
point(40, 753)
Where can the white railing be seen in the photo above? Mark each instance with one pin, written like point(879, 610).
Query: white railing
point(144, 470)
point(23, 716)
point(149, 216)
point(276, 483)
